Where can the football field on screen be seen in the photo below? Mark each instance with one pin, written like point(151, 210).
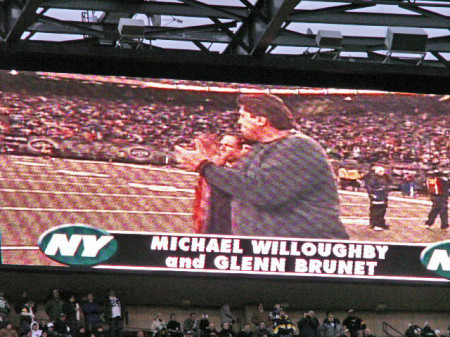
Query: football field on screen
point(39, 193)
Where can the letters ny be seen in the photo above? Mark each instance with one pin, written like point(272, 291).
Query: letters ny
point(69, 247)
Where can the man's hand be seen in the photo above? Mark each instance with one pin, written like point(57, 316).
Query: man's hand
point(190, 159)
point(208, 144)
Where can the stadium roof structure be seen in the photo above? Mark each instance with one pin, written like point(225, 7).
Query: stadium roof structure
point(264, 41)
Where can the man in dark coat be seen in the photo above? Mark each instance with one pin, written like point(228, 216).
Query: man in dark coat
point(227, 330)
point(262, 330)
point(211, 331)
point(174, 327)
point(245, 332)
point(72, 310)
point(353, 323)
point(285, 186)
point(62, 326)
point(92, 311)
point(308, 325)
point(54, 306)
point(377, 185)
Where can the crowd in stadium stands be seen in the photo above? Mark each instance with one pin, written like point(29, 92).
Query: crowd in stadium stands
point(90, 120)
point(372, 137)
point(70, 318)
point(64, 316)
point(418, 139)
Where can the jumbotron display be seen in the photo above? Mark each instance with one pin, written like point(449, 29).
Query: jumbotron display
point(170, 175)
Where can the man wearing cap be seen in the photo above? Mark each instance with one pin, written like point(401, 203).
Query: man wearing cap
point(353, 323)
point(437, 185)
point(284, 186)
point(51, 330)
point(331, 327)
point(62, 326)
point(377, 184)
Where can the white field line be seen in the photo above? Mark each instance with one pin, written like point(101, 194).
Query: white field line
point(161, 188)
point(407, 200)
point(67, 176)
point(115, 195)
point(60, 183)
point(348, 218)
point(390, 206)
point(19, 174)
point(149, 168)
point(65, 172)
point(351, 221)
point(75, 184)
point(83, 174)
point(75, 210)
point(30, 163)
point(60, 176)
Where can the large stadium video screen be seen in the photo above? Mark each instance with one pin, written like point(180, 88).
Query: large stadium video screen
point(132, 174)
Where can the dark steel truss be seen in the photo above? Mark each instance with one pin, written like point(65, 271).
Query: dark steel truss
point(255, 31)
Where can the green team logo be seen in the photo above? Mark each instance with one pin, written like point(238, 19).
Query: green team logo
point(78, 245)
point(437, 258)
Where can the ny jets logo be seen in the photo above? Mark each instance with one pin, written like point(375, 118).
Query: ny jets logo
point(78, 244)
point(437, 258)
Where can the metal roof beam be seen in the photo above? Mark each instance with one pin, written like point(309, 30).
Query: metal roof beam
point(151, 8)
point(369, 19)
point(206, 33)
point(200, 46)
point(264, 37)
point(303, 14)
point(26, 18)
point(425, 3)
point(261, 26)
point(247, 3)
point(427, 13)
point(441, 59)
point(47, 24)
point(230, 34)
point(219, 12)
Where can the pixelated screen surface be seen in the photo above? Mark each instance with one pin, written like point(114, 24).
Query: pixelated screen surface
point(114, 153)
